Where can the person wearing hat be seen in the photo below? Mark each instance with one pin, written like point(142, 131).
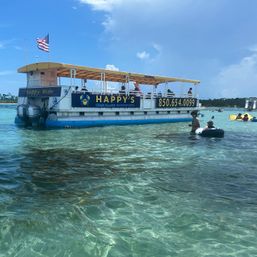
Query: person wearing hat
point(195, 122)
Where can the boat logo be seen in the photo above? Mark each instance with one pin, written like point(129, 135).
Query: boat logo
point(85, 99)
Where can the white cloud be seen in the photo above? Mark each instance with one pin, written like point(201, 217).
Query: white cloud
point(184, 39)
point(152, 55)
point(111, 67)
point(237, 80)
point(138, 10)
point(143, 55)
point(110, 5)
point(109, 23)
point(102, 5)
point(157, 47)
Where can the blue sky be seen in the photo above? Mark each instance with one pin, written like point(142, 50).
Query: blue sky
point(213, 41)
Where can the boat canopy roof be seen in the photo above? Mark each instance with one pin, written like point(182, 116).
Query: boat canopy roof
point(83, 72)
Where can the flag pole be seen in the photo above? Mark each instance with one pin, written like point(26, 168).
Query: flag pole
point(49, 47)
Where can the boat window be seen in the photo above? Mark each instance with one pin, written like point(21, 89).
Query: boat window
point(117, 113)
point(81, 114)
point(100, 113)
point(157, 112)
point(178, 111)
point(168, 112)
point(131, 113)
point(145, 113)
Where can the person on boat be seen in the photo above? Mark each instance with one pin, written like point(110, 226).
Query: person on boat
point(195, 122)
point(210, 125)
point(122, 90)
point(239, 116)
point(190, 94)
point(245, 118)
point(137, 90)
point(170, 93)
point(84, 86)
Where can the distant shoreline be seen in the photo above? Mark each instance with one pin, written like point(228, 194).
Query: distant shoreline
point(5, 103)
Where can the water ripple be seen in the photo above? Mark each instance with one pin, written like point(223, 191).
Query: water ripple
point(127, 191)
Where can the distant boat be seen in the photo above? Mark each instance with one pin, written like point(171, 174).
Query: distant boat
point(48, 103)
point(250, 103)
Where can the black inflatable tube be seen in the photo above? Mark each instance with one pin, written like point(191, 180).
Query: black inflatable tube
point(212, 133)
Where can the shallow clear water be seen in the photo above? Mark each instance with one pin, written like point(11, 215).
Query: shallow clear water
point(150, 190)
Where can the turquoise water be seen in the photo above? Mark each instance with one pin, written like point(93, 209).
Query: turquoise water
point(150, 190)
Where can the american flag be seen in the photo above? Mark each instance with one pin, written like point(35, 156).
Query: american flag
point(43, 43)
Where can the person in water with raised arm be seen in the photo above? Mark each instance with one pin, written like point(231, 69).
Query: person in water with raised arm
point(195, 122)
point(239, 116)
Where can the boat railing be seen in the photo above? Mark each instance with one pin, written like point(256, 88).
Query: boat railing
point(145, 95)
point(136, 93)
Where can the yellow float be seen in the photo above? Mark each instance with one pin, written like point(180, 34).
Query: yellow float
point(234, 117)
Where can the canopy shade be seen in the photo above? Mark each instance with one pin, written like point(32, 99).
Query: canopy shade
point(83, 72)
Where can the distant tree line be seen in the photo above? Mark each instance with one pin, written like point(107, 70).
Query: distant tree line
point(8, 98)
point(224, 102)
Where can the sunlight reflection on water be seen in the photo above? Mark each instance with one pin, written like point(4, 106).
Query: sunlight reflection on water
point(128, 191)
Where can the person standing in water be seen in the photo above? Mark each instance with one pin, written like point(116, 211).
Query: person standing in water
point(195, 122)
